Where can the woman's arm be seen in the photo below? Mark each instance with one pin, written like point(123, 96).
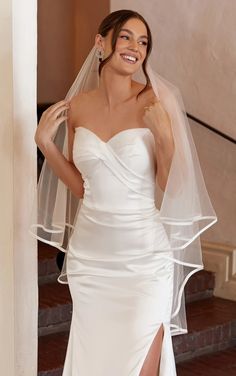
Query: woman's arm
point(63, 168)
point(159, 122)
point(164, 156)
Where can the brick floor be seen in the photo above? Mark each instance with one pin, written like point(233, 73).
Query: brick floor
point(221, 363)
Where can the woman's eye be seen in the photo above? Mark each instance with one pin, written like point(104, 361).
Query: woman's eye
point(126, 36)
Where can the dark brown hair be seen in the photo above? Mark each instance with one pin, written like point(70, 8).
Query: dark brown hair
point(114, 21)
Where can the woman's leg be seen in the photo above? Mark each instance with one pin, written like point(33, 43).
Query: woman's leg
point(152, 360)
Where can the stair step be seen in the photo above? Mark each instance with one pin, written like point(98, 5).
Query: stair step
point(51, 354)
point(200, 286)
point(222, 363)
point(55, 308)
point(211, 325)
point(47, 267)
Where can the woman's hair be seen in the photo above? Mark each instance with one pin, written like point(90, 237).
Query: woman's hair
point(114, 21)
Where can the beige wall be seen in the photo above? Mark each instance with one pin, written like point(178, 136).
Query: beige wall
point(218, 161)
point(56, 39)
point(66, 31)
point(18, 267)
point(195, 49)
point(89, 14)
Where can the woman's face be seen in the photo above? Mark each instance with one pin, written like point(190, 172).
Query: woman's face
point(131, 47)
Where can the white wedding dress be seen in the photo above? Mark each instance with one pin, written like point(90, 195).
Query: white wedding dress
point(121, 288)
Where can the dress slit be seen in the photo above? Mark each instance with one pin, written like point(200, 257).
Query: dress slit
point(147, 371)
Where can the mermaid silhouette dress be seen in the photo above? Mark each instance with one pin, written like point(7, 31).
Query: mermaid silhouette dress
point(121, 288)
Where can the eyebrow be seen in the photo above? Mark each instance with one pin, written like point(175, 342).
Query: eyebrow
point(130, 32)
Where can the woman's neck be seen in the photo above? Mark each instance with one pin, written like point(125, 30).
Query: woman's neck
point(115, 88)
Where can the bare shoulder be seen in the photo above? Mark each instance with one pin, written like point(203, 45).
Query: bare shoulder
point(78, 105)
point(81, 98)
point(148, 94)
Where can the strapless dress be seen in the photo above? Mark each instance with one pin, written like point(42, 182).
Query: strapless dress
point(121, 287)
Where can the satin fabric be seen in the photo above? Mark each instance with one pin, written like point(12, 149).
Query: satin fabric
point(122, 291)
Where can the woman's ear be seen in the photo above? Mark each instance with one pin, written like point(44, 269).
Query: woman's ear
point(99, 42)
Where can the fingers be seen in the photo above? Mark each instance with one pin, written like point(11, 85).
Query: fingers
point(59, 106)
point(59, 111)
point(153, 102)
point(60, 120)
point(54, 115)
point(50, 121)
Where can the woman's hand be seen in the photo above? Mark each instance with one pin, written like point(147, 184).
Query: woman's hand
point(158, 121)
point(61, 166)
point(49, 122)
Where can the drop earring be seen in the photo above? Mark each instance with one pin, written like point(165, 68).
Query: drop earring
point(99, 54)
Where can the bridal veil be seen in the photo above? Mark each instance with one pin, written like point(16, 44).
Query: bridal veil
point(185, 207)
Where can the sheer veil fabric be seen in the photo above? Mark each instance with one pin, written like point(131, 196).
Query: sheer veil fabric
point(185, 207)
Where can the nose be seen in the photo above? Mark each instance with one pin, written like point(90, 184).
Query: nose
point(134, 48)
point(134, 45)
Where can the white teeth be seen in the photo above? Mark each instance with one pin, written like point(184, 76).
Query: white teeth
point(128, 57)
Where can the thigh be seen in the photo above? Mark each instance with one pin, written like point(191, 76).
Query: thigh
point(152, 360)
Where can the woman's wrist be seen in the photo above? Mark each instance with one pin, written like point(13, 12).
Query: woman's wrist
point(43, 143)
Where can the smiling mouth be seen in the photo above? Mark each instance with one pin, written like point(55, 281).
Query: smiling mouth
point(129, 59)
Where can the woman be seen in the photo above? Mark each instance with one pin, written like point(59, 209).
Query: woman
point(126, 261)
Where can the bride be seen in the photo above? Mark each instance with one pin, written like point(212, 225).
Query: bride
point(123, 138)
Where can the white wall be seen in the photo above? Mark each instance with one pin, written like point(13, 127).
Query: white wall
point(6, 197)
point(18, 268)
point(194, 47)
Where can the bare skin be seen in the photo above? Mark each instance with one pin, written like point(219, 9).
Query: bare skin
point(114, 108)
point(151, 364)
point(106, 122)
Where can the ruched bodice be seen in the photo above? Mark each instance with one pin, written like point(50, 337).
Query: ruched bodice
point(119, 173)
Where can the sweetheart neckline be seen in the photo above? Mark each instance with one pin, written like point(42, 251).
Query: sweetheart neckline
point(114, 136)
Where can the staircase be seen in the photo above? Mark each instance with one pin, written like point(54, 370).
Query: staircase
point(209, 348)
